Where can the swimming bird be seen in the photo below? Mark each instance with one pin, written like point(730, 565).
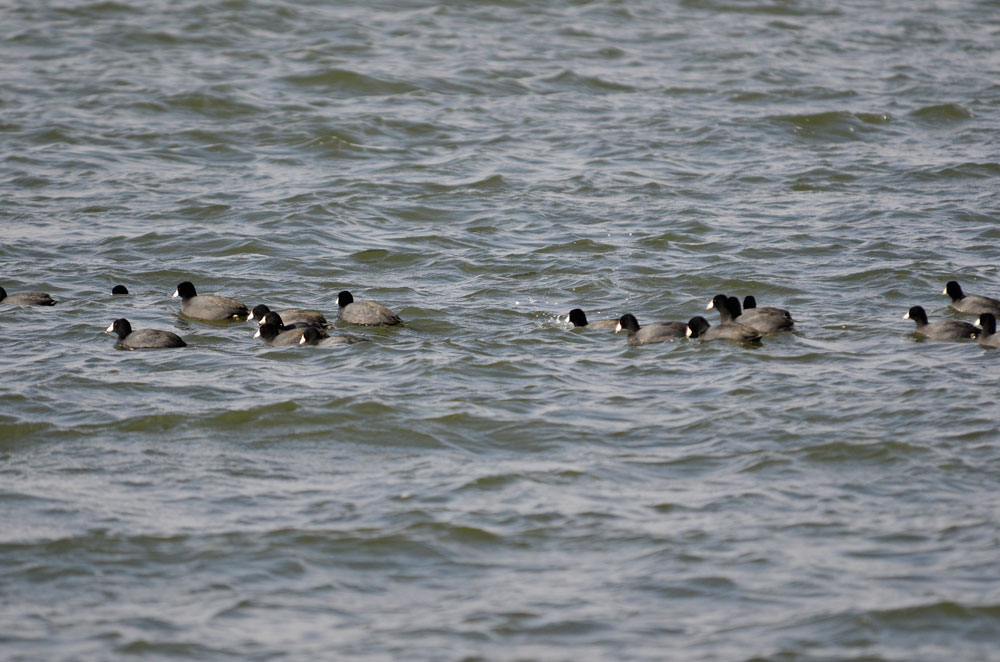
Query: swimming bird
point(143, 338)
point(270, 334)
point(119, 289)
point(208, 307)
point(988, 337)
point(275, 319)
point(971, 304)
point(311, 336)
point(291, 317)
point(26, 298)
point(720, 302)
point(365, 313)
point(750, 303)
point(945, 330)
point(649, 334)
point(577, 317)
point(699, 328)
point(760, 318)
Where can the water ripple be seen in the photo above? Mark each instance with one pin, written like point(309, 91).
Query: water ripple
point(483, 479)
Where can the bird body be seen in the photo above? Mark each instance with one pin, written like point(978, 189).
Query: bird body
point(311, 336)
point(970, 304)
point(290, 317)
point(750, 303)
point(699, 328)
point(651, 333)
point(26, 299)
point(364, 313)
point(143, 338)
point(989, 336)
point(764, 320)
point(270, 334)
point(944, 330)
point(578, 318)
point(208, 307)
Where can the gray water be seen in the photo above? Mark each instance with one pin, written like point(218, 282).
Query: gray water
point(484, 483)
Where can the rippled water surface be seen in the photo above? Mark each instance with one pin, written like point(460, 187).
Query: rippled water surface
point(484, 483)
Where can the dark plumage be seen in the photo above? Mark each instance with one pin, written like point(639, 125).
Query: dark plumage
point(577, 317)
point(720, 302)
point(988, 337)
point(649, 334)
point(291, 317)
point(119, 289)
point(208, 307)
point(26, 298)
point(311, 336)
point(365, 313)
point(143, 338)
point(275, 319)
point(946, 330)
point(750, 303)
point(760, 318)
point(257, 313)
point(970, 304)
point(764, 320)
point(698, 327)
point(270, 334)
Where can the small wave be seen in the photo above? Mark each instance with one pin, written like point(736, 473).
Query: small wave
point(492, 182)
point(765, 464)
point(935, 615)
point(774, 9)
point(350, 83)
point(874, 118)
point(822, 179)
point(133, 39)
point(567, 80)
point(152, 423)
point(170, 649)
point(457, 533)
point(930, 623)
point(204, 211)
point(385, 258)
point(23, 499)
point(580, 246)
point(269, 415)
point(99, 9)
point(943, 113)
point(490, 483)
point(554, 628)
point(215, 104)
point(55, 135)
point(805, 93)
point(877, 278)
point(843, 451)
point(961, 171)
point(832, 125)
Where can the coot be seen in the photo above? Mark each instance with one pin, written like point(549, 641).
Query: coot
point(143, 338)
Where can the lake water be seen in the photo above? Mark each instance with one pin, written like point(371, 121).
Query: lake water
point(484, 483)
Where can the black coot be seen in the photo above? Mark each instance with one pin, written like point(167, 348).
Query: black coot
point(143, 338)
